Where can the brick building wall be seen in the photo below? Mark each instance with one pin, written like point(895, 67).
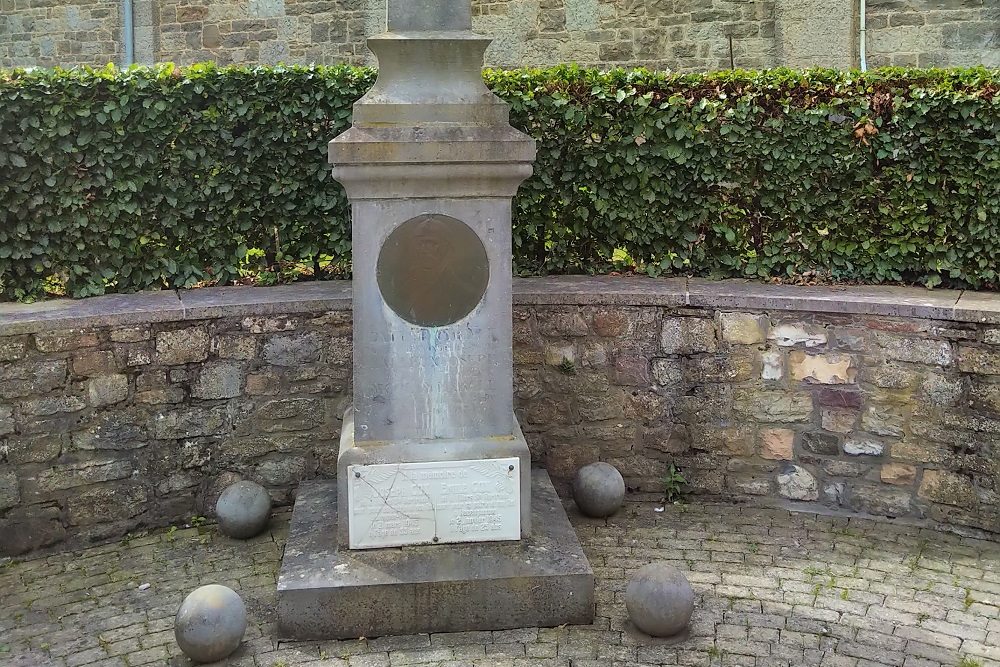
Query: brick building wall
point(690, 35)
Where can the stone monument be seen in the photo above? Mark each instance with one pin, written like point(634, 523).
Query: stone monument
point(435, 510)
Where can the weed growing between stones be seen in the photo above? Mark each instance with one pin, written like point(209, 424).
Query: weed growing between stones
point(913, 562)
point(813, 571)
point(969, 600)
point(673, 485)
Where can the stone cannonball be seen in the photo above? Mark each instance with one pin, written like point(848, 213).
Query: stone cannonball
point(659, 600)
point(243, 510)
point(210, 623)
point(599, 490)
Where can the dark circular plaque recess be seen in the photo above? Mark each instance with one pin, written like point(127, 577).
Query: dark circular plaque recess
point(433, 270)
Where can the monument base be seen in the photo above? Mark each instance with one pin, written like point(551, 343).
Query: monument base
point(326, 591)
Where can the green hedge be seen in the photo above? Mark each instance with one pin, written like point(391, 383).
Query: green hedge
point(124, 180)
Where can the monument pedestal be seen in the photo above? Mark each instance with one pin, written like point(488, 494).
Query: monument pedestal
point(436, 522)
point(327, 591)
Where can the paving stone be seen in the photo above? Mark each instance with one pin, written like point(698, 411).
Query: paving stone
point(897, 611)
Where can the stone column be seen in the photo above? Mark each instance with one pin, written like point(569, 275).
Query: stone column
point(430, 167)
point(145, 26)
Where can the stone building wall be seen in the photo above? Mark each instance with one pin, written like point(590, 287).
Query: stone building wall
point(817, 33)
point(47, 33)
point(129, 411)
point(690, 35)
point(931, 32)
point(264, 31)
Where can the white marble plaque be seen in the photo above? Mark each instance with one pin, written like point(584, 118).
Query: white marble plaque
point(399, 504)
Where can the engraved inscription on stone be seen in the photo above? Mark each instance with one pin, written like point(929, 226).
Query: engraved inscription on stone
point(433, 270)
point(399, 504)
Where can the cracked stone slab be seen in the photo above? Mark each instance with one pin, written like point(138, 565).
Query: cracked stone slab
point(326, 591)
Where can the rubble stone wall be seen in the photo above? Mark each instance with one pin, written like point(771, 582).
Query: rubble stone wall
point(128, 411)
point(687, 35)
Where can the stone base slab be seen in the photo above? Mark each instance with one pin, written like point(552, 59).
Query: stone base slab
point(329, 592)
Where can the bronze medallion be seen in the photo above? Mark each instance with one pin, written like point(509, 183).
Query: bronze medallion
point(433, 270)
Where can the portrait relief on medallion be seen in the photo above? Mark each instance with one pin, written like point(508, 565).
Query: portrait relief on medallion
point(433, 270)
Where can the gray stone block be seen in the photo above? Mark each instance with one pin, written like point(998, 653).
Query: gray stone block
point(9, 494)
point(329, 592)
point(12, 349)
point(796, 483)
point(218, 381)
point(32, 528)
point(6, 420)
point(182, 346)
point(292, 349)
point(107, 390)
point(36, 377)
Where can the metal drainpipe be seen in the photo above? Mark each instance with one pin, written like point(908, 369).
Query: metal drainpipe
point(864, 37)
point(128, 32)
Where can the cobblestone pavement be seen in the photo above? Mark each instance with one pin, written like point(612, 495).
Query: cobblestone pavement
point(773, 588)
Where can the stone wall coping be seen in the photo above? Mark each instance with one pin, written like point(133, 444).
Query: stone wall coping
point(319, 297)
